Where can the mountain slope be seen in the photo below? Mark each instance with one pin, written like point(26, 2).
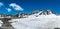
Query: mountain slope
point(49, 21)
point(44, 19)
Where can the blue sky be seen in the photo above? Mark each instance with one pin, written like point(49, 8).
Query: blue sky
point(30, 5)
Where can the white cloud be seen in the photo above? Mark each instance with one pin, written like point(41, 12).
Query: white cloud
point(1, 4)
point(8, 9)
point(16, 7)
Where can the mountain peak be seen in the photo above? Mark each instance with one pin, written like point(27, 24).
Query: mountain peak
point(42, 12)
point(45, 12)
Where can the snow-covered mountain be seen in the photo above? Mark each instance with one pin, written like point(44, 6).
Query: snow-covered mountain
point(44, 12)
point(44, 19)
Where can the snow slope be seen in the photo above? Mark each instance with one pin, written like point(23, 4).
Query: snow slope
point(41, 22)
